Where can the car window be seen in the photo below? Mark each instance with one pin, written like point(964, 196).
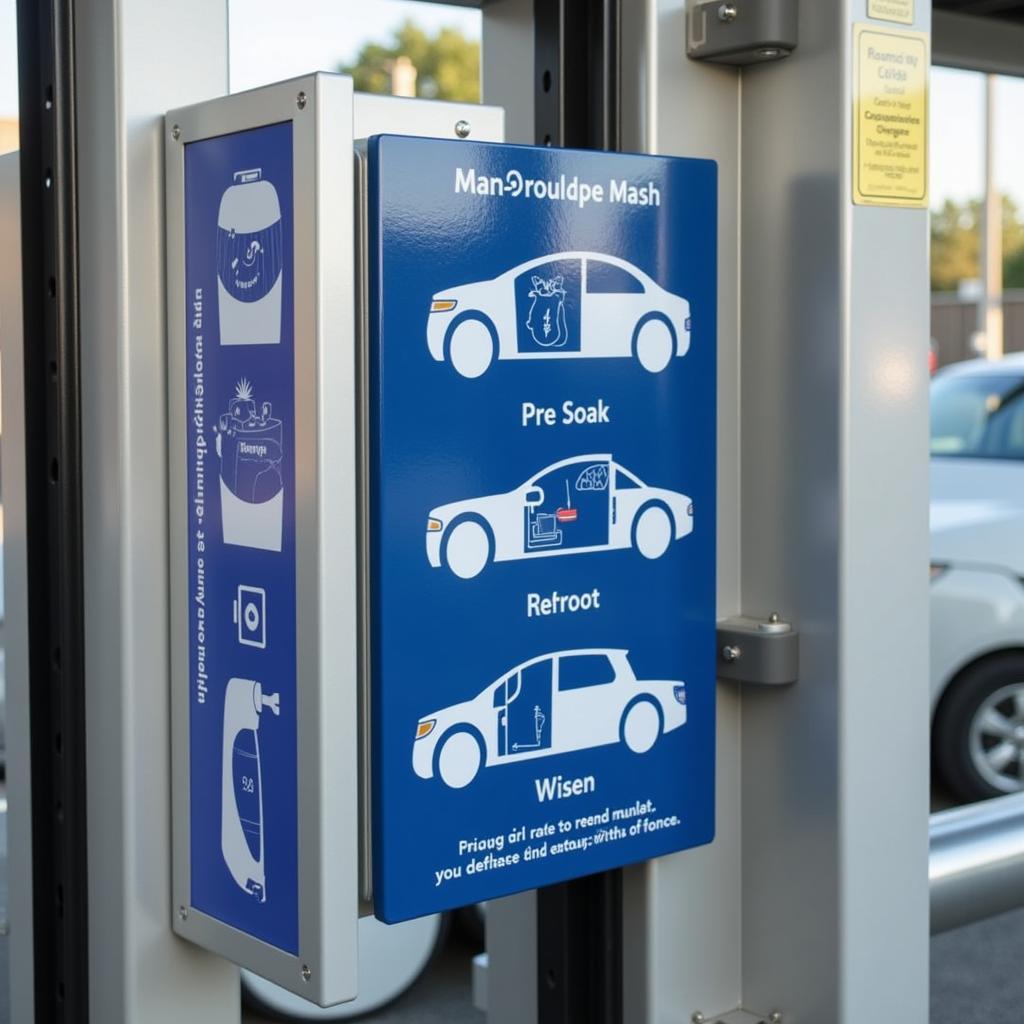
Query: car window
point(578, 670)
point(624, 480)
point(607, 279)
point(978, 417)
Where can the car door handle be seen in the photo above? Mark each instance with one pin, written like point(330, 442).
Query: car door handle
point(613, 511)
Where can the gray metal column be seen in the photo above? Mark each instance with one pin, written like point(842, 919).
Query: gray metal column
point(136, 59)
point(835, 531)
point(823, 788)
point(21, 946)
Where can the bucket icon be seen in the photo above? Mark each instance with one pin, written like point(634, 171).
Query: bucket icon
point(250, 255)
point(251, 487)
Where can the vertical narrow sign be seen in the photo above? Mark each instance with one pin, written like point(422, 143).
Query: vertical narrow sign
point(240, 471)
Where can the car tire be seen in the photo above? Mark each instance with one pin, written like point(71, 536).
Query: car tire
point(652, 531)
point(467, 548)
point(459, 759)
point(978, 734)
point(471, 348)
point(641, 726)
point(655, 344)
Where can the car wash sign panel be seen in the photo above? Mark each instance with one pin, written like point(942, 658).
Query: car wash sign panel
point(241, 531)
point(542, 515)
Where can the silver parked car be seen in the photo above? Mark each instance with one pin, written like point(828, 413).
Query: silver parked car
point(977, 572)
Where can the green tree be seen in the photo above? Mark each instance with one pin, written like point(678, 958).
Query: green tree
point(956, 244)
point(447, 64)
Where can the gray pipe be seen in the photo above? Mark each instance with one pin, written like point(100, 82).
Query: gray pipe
point(976, 861)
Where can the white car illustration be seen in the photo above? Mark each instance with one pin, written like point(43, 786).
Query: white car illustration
point(586, 503)
point(567, 305)
point(568, 700)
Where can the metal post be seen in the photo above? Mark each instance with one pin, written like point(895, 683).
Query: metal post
point(990, 309)
point(135, 59)
point(53, 499)
point(976, 864)
point(579, 923)
point(812, 901)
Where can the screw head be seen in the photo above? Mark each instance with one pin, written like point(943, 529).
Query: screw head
point(770, 52)
point(462, 129)
point(300, 101)
point(731, 653)
point(727, 12)
point(775, 1017)
point(175, 132)
point(306, 972)
point(183, 913)
point(697, 1017)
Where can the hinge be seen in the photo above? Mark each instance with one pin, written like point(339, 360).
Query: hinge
point(764, 652)
point(741, 31)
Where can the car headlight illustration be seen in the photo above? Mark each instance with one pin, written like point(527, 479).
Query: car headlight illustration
point(679, 692)
point(443, 305)
point(425, 728)
point(434, 525)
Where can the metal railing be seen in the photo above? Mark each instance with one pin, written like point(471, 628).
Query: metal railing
point(976, 862)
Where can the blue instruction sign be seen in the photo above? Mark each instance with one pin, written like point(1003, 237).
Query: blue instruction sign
point(240, 455)
point(542, 515)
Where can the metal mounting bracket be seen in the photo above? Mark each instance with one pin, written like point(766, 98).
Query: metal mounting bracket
point(741, 32)
point(764, 652)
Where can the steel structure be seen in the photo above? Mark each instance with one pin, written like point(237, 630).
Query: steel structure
point(813, 900)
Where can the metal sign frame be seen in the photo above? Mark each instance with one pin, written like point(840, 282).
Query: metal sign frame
point(320, 110)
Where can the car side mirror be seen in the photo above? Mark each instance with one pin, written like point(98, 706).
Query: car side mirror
point(534, 496)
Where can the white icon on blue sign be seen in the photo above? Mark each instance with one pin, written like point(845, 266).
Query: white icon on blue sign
point(569, 700)
point(249, 445)
point(568, 305)
point(241, 822)
point(249, 613)
point(586, 503)
point(250, 259)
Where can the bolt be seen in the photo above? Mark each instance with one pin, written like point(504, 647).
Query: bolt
point(697, 1017)
point(769, 52)
point(300, 101)
point(183, 913)
point(306, 972)
point(773, 618)
point(175, 133)
point(727, 13)
point(731, 653)
point(775, 1017)
point(462, 129)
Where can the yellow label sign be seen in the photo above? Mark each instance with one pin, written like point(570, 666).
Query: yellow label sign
point(890, 117)
point(892, 10)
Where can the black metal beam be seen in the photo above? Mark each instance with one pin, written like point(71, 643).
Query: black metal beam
point(49, 243)
point(576, 63)
point(577, 104)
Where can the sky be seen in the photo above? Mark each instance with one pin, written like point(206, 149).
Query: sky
point(269, 41)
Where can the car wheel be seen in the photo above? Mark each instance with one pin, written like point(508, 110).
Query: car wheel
point(467, 549)
point(459, 760)
point(654, 345)
point(471, 348)
point(978, 739)
point(652, 534)
point(641, 727)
